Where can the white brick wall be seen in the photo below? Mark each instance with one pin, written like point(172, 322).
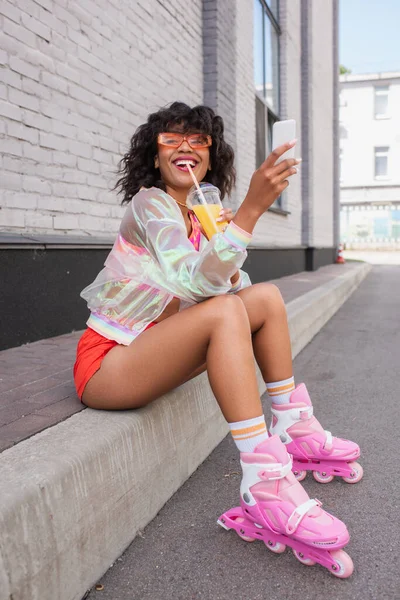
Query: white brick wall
point(77, 79)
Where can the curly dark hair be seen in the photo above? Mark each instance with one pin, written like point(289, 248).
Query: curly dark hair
point(137, 169)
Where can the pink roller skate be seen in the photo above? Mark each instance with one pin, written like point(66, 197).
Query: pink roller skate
point(276, 509)
point(313, 448)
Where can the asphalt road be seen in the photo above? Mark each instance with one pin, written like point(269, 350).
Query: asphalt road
point(351, 370)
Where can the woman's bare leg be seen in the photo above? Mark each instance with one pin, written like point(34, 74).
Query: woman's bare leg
point(216, 332)
point(196, 372)
point(268, 322)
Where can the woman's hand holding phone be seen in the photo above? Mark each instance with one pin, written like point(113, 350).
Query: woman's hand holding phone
point(266, 185)
point(271, 179)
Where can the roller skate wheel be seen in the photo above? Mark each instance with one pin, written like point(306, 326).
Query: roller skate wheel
point(322, 477)
point(356, 475)
point(304, 561)
point(343, 566)
point(300, 475)
point(241, 532)
point(275, 547)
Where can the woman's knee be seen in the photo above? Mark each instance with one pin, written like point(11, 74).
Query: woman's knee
point(228, 306)
point(269, 295)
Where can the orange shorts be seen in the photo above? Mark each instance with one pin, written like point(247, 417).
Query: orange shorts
point(92, 348)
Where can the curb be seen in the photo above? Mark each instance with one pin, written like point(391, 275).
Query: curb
point(74, 496)
point(309, 313)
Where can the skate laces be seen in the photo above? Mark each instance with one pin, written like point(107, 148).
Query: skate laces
point(299, 513)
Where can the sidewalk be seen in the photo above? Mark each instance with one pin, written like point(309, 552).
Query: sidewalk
point(36, 387)
point(351, 371)
point(75, 487)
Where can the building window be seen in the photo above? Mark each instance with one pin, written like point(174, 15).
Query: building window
point(381, 101)
point(273, 5)
point(381, 162)
point(266, 74)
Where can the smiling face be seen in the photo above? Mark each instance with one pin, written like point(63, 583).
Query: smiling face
point(171, 163)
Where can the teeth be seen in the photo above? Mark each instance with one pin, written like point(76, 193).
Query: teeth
point(183, 163)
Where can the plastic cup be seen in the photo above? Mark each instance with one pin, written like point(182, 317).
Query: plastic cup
point(206, 205)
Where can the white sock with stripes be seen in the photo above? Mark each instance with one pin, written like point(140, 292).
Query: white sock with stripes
point(279, 391)
point(248, 434)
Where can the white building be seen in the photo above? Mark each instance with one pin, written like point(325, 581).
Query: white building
point(79, 77)
point(370, 160)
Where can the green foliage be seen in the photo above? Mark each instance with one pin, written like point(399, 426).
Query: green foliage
point(344, 70)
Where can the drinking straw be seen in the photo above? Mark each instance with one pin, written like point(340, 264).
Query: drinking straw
point(196, 183)
point(201, 195)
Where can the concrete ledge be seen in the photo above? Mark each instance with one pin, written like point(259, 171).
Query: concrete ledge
point(74, 496)
point(309, 313)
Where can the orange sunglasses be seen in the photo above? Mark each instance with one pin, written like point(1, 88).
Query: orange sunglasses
point(174, 140)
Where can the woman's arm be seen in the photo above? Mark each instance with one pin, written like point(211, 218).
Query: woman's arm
point(171, 309)
point(176, 266)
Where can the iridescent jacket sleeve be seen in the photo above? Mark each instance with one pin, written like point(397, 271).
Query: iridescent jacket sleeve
point(156, 222)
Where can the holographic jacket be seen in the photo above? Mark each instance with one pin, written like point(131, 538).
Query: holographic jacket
point(153, 261)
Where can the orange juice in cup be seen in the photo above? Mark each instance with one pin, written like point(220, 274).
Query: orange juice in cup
point(205, 202)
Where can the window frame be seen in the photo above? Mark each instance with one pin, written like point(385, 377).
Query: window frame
point(381, 90)
point(378, 153)
point(271, 15)
point(271, 116)
point(266, 9)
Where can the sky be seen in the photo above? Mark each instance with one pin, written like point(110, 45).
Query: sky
point(369, 35)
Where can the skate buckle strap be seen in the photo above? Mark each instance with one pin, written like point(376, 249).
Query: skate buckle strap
point(299, 513)
point(276, 470)
point(305, 413)
point(295, 414)
point(329, 441)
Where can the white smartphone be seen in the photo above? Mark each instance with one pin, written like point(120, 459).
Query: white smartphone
point(282, 132)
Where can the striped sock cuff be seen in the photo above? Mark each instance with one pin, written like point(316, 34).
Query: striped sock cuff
point(249, 433)
point(280, 391)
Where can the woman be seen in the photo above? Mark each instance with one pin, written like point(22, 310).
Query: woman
point(170, 304)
